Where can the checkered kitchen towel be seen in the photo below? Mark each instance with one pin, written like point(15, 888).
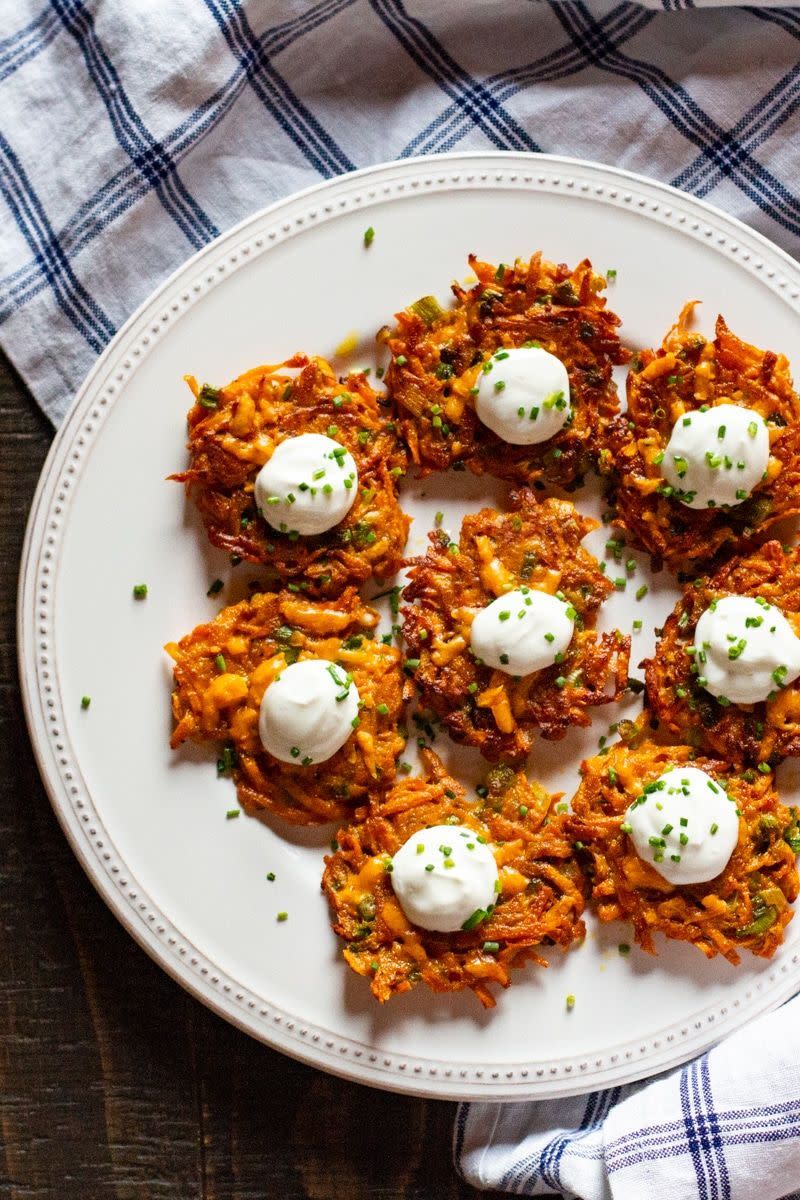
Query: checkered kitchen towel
point(133, 131)
point(724, 1127)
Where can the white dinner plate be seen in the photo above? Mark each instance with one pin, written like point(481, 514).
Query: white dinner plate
point(149, 824)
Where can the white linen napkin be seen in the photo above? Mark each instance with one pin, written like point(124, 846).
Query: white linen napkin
point(132, 132)
point(723, 1127)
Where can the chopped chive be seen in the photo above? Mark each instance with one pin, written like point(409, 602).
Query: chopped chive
point(479, 915)
point(369, 236)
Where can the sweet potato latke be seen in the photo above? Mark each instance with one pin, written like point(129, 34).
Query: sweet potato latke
point(234, 430)
point(745, 907)
point(751, 733)
point(685, 374)
point(540, 903)
point(536, 544)
point(222, 670)
point(437, 357)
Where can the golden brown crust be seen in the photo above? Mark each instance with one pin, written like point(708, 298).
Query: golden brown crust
point(436, 363)
point(751, 733)
point(686, 373)
point(231, 441)
point(535, 544)
point(218, 700)
point(540, 903)
point(745, 908)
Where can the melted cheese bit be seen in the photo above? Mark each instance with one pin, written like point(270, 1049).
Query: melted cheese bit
point(445, 878)
point(745, 650)
point(685, 825)
point(522, 631)
point(715, 458)
point(308, 712)
point(523, 395)
point(308, 485)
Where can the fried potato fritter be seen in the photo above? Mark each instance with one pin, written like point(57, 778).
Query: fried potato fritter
point(745, 908)
point(540, 902)
point(437, 357)
point(223, 668)
point(686, 373)
point(535, 545)
point(750, 733)
point(234, 430)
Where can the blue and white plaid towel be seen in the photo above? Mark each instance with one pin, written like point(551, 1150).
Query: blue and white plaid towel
point(133, 131)
point(724, 1127)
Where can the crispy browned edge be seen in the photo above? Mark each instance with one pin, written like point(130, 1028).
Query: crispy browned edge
point(752, 733)
point(535, 544)
point(257, 638)
point(745, 908)
point(540, 903)
point(436, 364)
point(686, 372)
point(230, 442)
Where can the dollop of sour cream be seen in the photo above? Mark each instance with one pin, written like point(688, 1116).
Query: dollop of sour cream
point(745, 649)
point(444, 876)
point(684, 825)
point(522, 631)
point(715, 458)
point(307, 486)
point(307, 712)
point(523, 395)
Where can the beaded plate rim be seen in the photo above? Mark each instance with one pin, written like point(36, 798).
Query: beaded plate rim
point(37, 652)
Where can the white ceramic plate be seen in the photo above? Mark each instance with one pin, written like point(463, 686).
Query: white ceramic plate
point(149, 825)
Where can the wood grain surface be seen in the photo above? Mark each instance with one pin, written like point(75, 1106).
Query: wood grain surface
point(113, 1081)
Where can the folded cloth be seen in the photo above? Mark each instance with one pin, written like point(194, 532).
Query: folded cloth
point(724, 1127)
point(133, 132)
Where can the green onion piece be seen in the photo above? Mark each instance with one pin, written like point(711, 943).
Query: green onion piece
point(208, 396)
point(427, 308)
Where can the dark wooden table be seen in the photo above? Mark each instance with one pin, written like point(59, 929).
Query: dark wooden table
point(113, 1081)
